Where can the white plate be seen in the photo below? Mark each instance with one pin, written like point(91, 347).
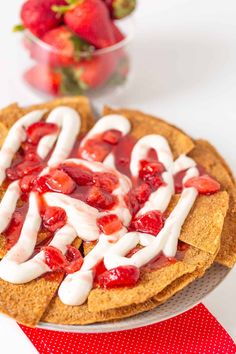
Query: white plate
point(181, 302)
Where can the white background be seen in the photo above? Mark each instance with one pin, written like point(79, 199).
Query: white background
point(184, 61)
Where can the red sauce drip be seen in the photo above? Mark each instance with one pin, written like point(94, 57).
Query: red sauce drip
point(12, 233)
point(161, 260)
point(122, 153)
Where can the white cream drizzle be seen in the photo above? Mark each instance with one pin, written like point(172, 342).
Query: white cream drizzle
point(16, 266)
point(111, 121)
point(67, 119)
point(15, 137)
point(8, 204)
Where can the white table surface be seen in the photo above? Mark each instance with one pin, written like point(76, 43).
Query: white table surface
point(184, 61)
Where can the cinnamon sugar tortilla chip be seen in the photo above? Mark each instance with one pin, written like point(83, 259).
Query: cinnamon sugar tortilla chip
point(206, 155)
point(3, 133)
point(27, 302)
point(203, 261)
point(144, 124)
point(203, 226)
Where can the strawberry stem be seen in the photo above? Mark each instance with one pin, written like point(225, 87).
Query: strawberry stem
point(18, 28)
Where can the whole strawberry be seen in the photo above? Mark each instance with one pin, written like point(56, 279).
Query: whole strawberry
point(120, 8)
point(38, 16)
point(66, 48)
point(94, 72)
point(90, 20)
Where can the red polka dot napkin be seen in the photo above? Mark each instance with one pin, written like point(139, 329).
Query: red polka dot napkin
point(195, 331)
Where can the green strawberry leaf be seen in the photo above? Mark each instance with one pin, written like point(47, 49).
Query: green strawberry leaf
point(81, 46)
point(18, 28)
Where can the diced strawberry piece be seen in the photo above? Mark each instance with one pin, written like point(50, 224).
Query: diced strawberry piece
point(142, 193)
point(81, 175)
point(150, 168)
point(27, 183)
point(74, 258)
point(40, 184)
point(28, 167)
point(204, 184)
point(155, 182)
point(38, 130)
point(54, 218)
point(100, 199)
point(108, 224)
point(95, 150)
point(178, 181)
point(106, 181)
point(11, 174)
point(112, 136)
point(137, 197)
point(150, 172)
point(119, 277)
point(151, 223)
point(60, 182)
point(32, 156)
point(28, 148)
point(54, 258)
point(72, 253)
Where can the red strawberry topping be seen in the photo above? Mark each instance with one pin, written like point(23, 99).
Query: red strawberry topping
point(204, 184)
point(74, 258)
point(54, 218)
point(150, 173)
point(120, 276)
point(54, 258)
point(95, 150)
point(81, 175)
point(109, 224)
point(106, 181)
point(112, 136)
point(38, 130)
point(100, 199)
point(27, 183)
point(151, 223)
point(137, 197)
point(61, 182)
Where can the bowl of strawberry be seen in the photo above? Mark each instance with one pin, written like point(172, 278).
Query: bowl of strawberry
point(76, 46)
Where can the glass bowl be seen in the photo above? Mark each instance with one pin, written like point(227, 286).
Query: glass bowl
point(95, 72)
